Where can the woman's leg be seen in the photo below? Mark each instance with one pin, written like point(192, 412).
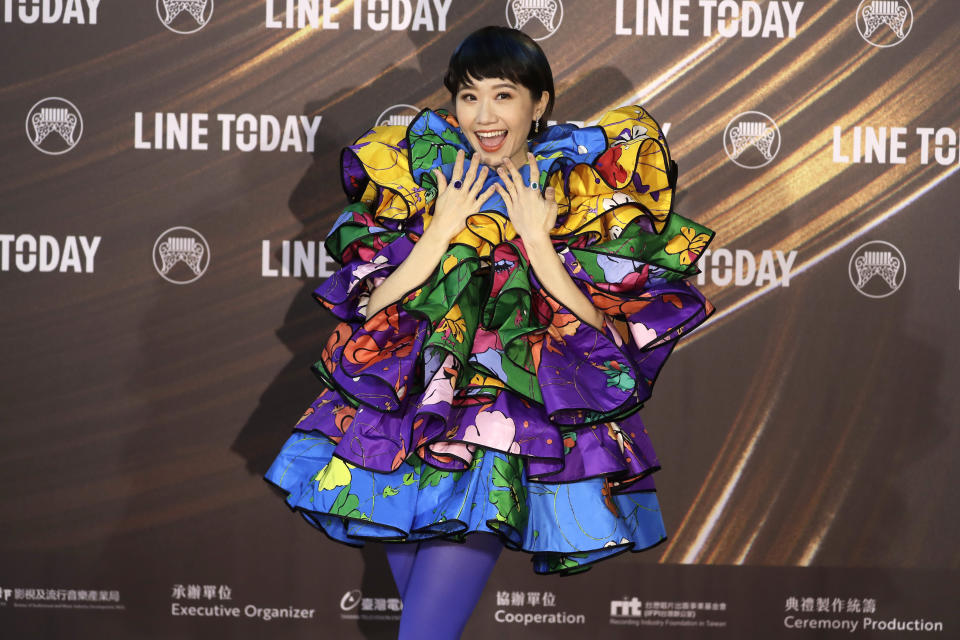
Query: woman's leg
point(445, 585)
point(400, 556)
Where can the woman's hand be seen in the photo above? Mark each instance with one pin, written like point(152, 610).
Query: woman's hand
point(532, 214)
point(458, 200)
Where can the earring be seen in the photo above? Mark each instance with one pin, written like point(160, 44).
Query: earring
point(536, 125)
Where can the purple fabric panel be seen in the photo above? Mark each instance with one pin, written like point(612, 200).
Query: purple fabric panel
point(341, 291)
point(383, 383)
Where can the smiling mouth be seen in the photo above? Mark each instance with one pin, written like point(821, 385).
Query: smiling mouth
point(491, 140)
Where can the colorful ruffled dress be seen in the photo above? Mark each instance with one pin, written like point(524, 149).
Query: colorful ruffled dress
point(477, 402)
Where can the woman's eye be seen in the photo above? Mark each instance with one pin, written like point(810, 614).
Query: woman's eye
point(503, 94)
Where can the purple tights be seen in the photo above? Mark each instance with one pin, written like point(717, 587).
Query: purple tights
point(440, 583)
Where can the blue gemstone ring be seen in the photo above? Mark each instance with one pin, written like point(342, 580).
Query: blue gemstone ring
point(534, 185)
point(457, 184)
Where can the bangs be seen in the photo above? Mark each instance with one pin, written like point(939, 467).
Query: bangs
point(486, 59)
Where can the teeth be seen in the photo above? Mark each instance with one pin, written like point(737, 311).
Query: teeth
point(489, 134)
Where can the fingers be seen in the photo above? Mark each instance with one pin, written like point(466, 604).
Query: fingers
point(477, 184)
point(507, 197)
point(514, 173)
point(458, 166)
point(534, 169)
point(508, 180)
point(487, 194)
point(471, 173)
point(441, 181)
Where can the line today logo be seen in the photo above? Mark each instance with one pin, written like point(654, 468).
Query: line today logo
point(244, 132)
point(376, 15)
point(51, 11)
point(46, 254)
point(726, 18)
point(888, 145)
point(743, 268)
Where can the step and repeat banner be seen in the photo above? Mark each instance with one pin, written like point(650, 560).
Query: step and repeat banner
point(169, 170)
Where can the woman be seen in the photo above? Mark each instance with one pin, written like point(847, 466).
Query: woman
point(506, 305)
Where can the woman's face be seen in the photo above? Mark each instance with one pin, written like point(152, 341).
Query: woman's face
point(495, 114)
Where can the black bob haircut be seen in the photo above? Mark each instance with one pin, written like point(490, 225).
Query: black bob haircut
point(501, 52)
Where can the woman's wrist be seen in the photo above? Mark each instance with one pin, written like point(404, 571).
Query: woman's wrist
point(431, 245)
point(539, 247)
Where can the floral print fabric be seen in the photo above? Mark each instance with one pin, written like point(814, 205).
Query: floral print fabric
point(478, 402)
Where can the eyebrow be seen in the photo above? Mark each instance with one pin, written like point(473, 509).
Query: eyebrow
point(507, 85)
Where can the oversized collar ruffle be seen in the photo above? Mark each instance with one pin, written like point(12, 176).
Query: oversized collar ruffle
point(605, 176)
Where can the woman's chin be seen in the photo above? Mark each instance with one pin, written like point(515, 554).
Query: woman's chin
point(491, 161)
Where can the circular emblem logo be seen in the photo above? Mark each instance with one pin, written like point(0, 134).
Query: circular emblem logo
point(877, 269)
point(751, 140)
point(398, 115)
point(350, 600)
point(181, 255)
point(884, 23)
point(54, 126)
point(539, 19)
point(184, 16)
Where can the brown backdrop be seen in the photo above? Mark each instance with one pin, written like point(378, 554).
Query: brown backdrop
point(808, 432)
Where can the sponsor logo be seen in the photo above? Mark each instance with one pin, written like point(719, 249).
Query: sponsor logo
point(539, 19)
point(355, 606)
point(40, 598)
point(884, 23)
point(375, 15)
point(181, 255)
point(350, 600)
point(888, 145)
point(46, 254)
point(51, 11)
point(877, 269)
point(632, 608)
point(298, 259)
point(729, 19)
point(751, 140)
point(743, 268)
point(656, 613)
point(54, 126)
point(184, 16)
point(244, 132)
point(400, 115)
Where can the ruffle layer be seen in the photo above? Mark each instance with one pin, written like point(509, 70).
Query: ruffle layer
point(481, 354)
point(480, 368)
point(493, 495)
